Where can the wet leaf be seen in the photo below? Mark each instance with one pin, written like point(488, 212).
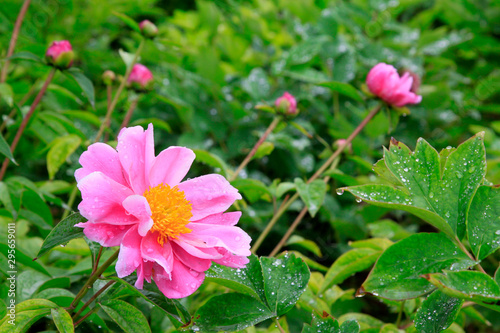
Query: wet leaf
point(128, 317)
point(63, 320)
point(60, 151)
point(437, 312)
point(313, 194)
point(62, 233)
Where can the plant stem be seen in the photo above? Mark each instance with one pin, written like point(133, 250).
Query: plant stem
point(129, 113)
point(13, 39)
point(112, 106)
point(318, 173)
point(97, 258)
point(276, 321)
point(26, 119)
point(400, 314)
point(92, 279)
point(88, 314)
point(71, 200)
point(247, 159)
point(100, 291)
point(21, 103)
point(464, 249)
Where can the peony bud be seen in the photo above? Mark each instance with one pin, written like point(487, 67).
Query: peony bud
point(108, 77)
point(383, 80)
point(60, 54)
point(140, 78)
point(148, 29)
point(286, 104)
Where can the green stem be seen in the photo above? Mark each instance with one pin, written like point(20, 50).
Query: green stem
point(251, 154)
point(71, 201)
point(92, 279)
point(464, 249)
point(100, 291)
point(400, 314)
point(26, 119)
point(97, 258)
point(318, 173)
point(112, 106)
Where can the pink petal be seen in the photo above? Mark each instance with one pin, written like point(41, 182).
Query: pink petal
point(144, 271)
point(136, 152)
point(190, 261)
point(196, 247)
point(138, 206)
point(102, 200)
point(229, 219)
point(376, 76)
point(231, 260)
point(129, 257)
point(101, 157)
point(184, 281)
point(231, 238)
point(171, 166)
point(153, 251)
point(105, 234)
point(209, 194)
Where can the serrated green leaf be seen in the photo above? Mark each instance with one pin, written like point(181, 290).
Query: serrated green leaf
point(62, 233)
point(472, 285)
point(437, 312)
point(128, 21)
point(347, 264)
point(344, 89)
point(483, 221)
point(252, 189)
point(60, 151)
point(313, 194)
point(5, 149)
point(84, 83)
point(230, 312)
point(285, 279)
point(128, 317)
point(396, 274)
point(63, 320)
point(440, 199)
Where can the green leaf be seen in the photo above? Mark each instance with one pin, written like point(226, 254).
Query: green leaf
point(60, 151)
point(347, 264)
point(437, 312)
point(283, 188)
point(246, 280)
point(313, 194)
point(264, 149)
point(63, 320)
point(24, 320)
point(325, 323)
point(483, 221)
point(343, 88)
point(230, 312)
point(24, 259)
point(253, 189)
point(257, 84)
point(24, 55)
point(396, 274)
point(285, 279)
point(472, 285)
point(83, 115)
point(441, 199)
point(350, 326)
point(128, 21)
point(212, 160)
point(128, 317)
point(84, 83)
point(157, 123)
point(5, 149)
point(7, 94)
point(62, 233)
point(305, 244)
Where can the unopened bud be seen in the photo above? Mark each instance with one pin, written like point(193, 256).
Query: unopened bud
point(148, 29)
point(140, 78)
point(60, 54)
point(287, 105)
point(108, 77)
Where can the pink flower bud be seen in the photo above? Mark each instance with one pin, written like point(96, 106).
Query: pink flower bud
point(60, 54)
point(383, 80)
point(140, 78)
point(108, 77)
point(148, 29)
point(286, 104)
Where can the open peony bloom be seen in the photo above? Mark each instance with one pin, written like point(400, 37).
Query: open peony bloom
point(168, 231)
point(383, 80)
point(140, 77)
point(60, 54)
point(286, 104)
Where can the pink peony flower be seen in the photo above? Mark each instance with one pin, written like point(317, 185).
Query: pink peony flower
point(286, 104)
point(140, 76)
point(60, 54)
point(383, 80)
point(168, 231)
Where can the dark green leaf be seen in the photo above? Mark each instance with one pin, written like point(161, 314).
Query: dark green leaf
point(343, 88)
point(483, 221)
point(62, 233)
point(63, 320)
point(84, 83)
point(24, 55)
point(25, 259)
point(313, 194)
point(5, 149)
point(437, 313)
point(128, 21)
point(325, 323)
point(396, 274)
point(128, 317)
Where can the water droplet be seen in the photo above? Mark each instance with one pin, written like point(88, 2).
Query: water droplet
point(358, 200)
point(340, 191)
point(459, 174)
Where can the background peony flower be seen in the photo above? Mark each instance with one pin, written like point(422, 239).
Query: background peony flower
point(148, 29)
point(383, 80)
point(286, 104)
point(60, 54)
point(168, 231)
point(140, 77)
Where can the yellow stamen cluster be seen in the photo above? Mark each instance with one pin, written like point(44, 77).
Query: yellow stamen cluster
point(170, 209)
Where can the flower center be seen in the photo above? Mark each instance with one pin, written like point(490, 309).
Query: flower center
point(170, 211)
